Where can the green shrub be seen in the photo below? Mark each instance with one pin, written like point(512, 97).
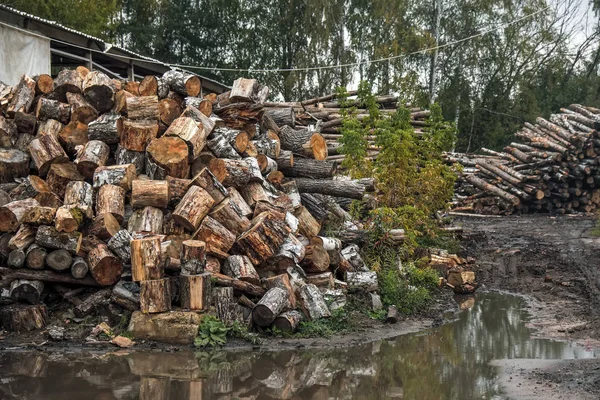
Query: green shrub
point(212, 332)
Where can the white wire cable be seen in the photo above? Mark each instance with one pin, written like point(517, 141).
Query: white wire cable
point(386, 59)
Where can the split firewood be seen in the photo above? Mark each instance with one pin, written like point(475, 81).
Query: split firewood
point(282, 281)
point(209, 182)
point(187, 130)
point(195, 291)
point(148, 219)
point(24, 237)
point(145, 259)
point(155, 296)
point(137, 158)
point(120, 244)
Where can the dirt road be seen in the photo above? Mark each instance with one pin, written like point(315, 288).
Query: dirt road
point(555, 261)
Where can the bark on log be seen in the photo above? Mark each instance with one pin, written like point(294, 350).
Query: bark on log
point(81, 110)
point(22, 98)
point(105, 267)
point(288, 321)
point(8, 132)
point(59, 177)
point(331, 187)
point(352, 255)
point(263, 239)
point(170, 154)
point(92, 302)
point(16, 259)
point(120, 244)
point(316, 206)
point(23, 318)
point(123, 297)
point(228, 214)
point(59, 260)
point(44, 151)
point(79, 268)
point(12, 213)
point(240, 267)
point(236, 284)
point(23, 290)
point(26, 124)
point(8, 275)
point(316, 259)
point(117, 175)
point(322, 280)
point(226, 307)
point(13, 164)
point(254, 192)
point(137, 158)
point(81, 195)
point(193, 257)
point(309, 168)
point(236, 173)
point(312, 302)
point(282, 116)
point(177, 189)
point(94, 154)
point(145, 259)
point(239, 201)
point(184, 83)
point(52, 109)
point(193, 207)
point(218, 239)
point(136, 135)
point(99, 90)
point(282, 281)
point(148, 219)
point(49, 237)
point(155, 296)
point(23, 237)
point(303, 142)
point(105, 128)
point(209, 182)
point(149, 193)
point(111, 199)
point(50, 127)
point(213, 265)
point(291, 253)
point(307, 224)
point(362, 280)
point(203, 105)
point(195, 291)
point(68, 219)
point(266, 164)
point(270, 306)
point(142, 107)
point(187, 130)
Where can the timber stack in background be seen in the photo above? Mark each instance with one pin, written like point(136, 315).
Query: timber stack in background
point(143, 196)
point(554, 167)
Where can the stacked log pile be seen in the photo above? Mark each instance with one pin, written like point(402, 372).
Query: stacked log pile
point(552, 168)
point(148, 195)
point(328, 112)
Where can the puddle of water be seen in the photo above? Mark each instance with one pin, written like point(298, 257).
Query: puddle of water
point(449, 362)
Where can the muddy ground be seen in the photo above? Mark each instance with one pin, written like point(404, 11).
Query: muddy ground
point(555, 262)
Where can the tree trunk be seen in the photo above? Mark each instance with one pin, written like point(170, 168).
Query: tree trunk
point(228, 214)
point(105, 267)
point(309, 168)
point(118, 175)
point(331, 187)
point(94, 154)
point(136, 135)
point(23, 318)
point(270, 306)
point(192, 209)
point(155, 296)
point(312, 302)
point(149, 193)
point(111, 199)
point(44, 151)
point(195, 291)
point(263, 239)
point(99, 91)
point(171, 155)
point(105, 128)
point(303, 142)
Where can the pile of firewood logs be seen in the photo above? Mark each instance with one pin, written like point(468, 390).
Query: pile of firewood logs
point(554, 168)
point(145, 196)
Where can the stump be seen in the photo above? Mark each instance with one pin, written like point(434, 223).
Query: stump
point(149, 193)
point(105, 267)
point(195, 291)
point(23, 318)
point(270, 306)
point(193, 207)
point(145, 259)
point(155, 296)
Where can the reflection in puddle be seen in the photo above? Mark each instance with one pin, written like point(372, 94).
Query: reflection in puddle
point(450, 362)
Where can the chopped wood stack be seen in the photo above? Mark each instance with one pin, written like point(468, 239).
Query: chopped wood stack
point(154, 194)
point(327, 111)
point(553, 168)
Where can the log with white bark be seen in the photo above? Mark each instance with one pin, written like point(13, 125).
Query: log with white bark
point(148, 219)
point(120, 244)
point(240, 267)
point(288, 321)
point(49, 237)
point(282, 281)
point(23, 97)
point(366, 280)
point(81, 195)
point(94, 154)
point(105, 128)
point(303, 142)
point(270, 306)
point(118, 175)
point(183, 83)
point(137, 158)
point(312, 302)
point(52, 109)
point(236, 173)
